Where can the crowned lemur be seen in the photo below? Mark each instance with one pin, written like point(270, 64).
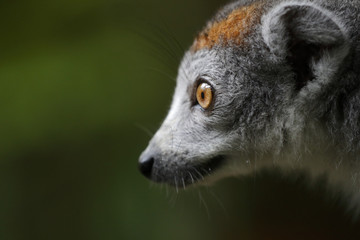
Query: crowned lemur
point(266, 83)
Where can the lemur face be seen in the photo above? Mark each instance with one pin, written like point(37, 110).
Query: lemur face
point(198, 136)
point(237, 89)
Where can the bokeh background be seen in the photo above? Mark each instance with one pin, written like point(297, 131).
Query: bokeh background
point(83, 86)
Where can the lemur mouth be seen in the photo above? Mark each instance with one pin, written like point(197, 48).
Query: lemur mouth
point(182, 176)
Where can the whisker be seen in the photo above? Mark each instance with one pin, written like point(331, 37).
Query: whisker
point(173, 38)
point(192, 179)
point(144, 129)
point(206, 171)
point(169, 40)
point(205, 205)
point(173, 199)
point(163, 73)
point(153, 48)
point(182, 69)
point(176, 185)
point(157, 43)
point(198, 173)
point(218, 200)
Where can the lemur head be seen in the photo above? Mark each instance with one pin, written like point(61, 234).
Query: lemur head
point(246, 89)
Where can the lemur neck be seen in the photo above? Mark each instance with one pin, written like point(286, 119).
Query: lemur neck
point(341, 169)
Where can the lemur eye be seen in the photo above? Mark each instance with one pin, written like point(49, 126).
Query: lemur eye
point(204, 95)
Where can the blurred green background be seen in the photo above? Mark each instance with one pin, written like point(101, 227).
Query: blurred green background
point(83, 85)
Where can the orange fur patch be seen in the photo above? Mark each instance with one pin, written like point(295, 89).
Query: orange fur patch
point(233, 29)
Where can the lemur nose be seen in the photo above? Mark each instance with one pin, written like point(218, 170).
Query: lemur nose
point(146, 165)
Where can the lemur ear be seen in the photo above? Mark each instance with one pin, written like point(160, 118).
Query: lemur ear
point(306, 36)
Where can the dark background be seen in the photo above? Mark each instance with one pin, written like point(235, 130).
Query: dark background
point(83, 85)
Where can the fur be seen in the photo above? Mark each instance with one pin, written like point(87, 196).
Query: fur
point(286, 94)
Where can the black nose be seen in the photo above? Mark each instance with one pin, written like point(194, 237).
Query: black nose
point(146, 166)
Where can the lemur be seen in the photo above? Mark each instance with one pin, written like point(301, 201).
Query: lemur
point(266, 83)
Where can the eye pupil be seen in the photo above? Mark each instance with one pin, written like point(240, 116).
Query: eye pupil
point(202, 95)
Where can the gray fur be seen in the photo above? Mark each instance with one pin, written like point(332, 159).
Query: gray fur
point(267, 111)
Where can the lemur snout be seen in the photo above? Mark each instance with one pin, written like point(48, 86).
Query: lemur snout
point(146, 164)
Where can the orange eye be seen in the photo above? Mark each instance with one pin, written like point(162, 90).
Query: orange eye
point(204, 95)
